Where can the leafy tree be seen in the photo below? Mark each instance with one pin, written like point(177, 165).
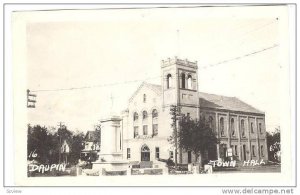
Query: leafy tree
point(76, 147)
point(196, 136)
point(39, 142)
point(273, 143)
point(98, 130)
point(46, 143)
point(64, 134)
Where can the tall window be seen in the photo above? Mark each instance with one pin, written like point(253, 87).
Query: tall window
point(145, 130)
point(183, 80)
point(222, 126)
point(252, 129)
point(154, 113)
point(235, 150)
point(156, 152)
point(210, 121)
point(262, 150)
point(253, 150)
point(154, 125)
point(128, 153)
point(135, 131)
point(135, 116)
point(243, 128)
point(155, 129)
point(144, 98)
point(189, 82)
point(260, 129)
point(145, 114)
point(169, 81)
point(232, 127)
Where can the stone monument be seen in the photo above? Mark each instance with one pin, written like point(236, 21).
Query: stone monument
point(111, 149)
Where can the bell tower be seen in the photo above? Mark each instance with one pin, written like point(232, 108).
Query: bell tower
point(180, 85)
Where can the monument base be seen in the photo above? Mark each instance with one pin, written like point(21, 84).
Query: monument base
point(114, 156)
point(110, 166)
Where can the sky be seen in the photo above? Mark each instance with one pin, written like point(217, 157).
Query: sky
point(97, 48)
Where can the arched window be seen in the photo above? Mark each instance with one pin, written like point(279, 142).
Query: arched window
point(135, 116)
point(144, 98)
point(232, 127)
point(169, 81)
point(154, 113)
point(210, 121)
point(145, 148)
point(243, 128)
point(222, 126)
point(182, 80)
point(145, 114)
point(189, 82)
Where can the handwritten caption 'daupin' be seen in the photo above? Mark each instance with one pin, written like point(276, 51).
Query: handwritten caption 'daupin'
point(44, 168)
point(232, 163)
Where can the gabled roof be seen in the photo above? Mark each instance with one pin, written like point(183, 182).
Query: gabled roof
point(210, 100)
point(92, 136)
point(226, 103)
point(154, 87)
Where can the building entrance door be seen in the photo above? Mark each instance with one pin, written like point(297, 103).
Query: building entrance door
point(145, 153)
point(223, 151)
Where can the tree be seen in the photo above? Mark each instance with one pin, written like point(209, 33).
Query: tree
point(273, 144)
point(40, 142)
point(98, 133)
point(76, 147)
point(46, 144)
point(37, 138)
point(195, 136)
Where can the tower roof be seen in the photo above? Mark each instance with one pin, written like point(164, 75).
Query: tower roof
point(175, 60)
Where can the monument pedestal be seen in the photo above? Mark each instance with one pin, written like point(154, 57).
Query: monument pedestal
point(111, 155)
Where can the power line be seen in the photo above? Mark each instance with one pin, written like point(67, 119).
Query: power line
point(150, 78)
point(260, 27)
point(245, 34)
point(94, 86)
point(240, 57)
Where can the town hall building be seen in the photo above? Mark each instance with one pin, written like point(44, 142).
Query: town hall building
point(146, 123)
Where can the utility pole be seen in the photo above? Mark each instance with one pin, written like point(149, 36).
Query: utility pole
point(61, 125)
point(31, 99)
point(175, 112)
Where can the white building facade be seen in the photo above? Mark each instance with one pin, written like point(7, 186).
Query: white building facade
point(146, 123)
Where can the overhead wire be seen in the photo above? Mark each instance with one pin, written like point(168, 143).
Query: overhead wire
point(141, 80)
point(155, 77)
